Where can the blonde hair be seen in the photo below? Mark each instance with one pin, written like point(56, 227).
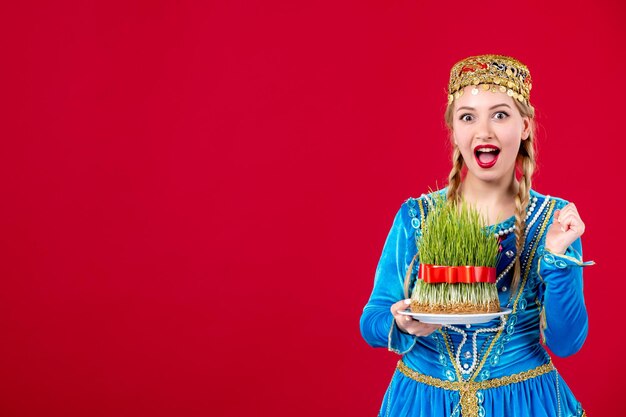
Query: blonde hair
point(525, 161)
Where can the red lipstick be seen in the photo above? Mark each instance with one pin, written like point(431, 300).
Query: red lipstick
point(489, 155)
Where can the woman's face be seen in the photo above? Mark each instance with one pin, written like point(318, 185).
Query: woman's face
point(488, 129)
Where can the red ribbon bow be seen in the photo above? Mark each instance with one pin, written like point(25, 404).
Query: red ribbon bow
point(435, 274)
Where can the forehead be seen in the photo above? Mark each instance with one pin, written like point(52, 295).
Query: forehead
point(483, 99)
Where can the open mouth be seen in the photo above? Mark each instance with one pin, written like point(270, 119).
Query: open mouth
point(486, 155)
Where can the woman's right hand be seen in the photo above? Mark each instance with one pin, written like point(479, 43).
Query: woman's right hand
point(408, 324)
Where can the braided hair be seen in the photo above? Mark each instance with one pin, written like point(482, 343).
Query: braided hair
point(525, 162)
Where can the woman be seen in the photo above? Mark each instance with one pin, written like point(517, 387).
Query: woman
point(497, 368)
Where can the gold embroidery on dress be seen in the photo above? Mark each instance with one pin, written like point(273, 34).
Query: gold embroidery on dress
point(477, 385)
point(468, 389)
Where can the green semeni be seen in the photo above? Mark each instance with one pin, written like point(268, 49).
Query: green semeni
point(455, 235)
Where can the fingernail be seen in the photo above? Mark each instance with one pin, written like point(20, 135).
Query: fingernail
point(407, 318)
point(407, 301)
point(562, 229)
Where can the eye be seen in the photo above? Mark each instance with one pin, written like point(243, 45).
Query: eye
point(503, 113)
point(466, 117)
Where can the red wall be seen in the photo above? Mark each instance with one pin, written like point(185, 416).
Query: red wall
point(195, 195)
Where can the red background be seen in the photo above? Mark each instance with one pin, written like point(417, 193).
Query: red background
point(195, 195)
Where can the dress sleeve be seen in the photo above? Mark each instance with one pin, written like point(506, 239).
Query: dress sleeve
point(377, 324)
point(563, 313)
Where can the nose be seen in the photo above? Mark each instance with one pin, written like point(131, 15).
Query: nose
point(483, 129)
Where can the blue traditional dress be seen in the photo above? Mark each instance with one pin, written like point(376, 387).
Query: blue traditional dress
point(493, 369)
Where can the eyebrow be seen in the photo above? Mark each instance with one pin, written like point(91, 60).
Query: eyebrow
point(490, 108)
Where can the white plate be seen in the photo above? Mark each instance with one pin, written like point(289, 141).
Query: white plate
point(433, 318)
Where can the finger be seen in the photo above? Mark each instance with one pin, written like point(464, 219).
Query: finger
point(426, 326)
point(569, 219)
point(399, 306)
point(564, 213)
point(572, 211)
point(403, 324)
point(573, 206)
point(432, 327)
point(567, 215)
point(569, 208)
point(402, 319)
point(426, 329)
point(412, 325)
point(574, 224)
point(408, 326)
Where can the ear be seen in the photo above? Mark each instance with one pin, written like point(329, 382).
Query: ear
point(526, 128)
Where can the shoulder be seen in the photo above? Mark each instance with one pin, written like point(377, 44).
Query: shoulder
point(415, 209)
point(542, 199)
point(426, 198)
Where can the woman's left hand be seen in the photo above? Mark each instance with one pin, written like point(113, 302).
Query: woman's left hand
point(567, 226)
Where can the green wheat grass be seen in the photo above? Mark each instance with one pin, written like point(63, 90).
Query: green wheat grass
point(455, 234)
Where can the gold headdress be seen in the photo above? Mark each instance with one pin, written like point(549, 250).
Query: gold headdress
point(491, 72)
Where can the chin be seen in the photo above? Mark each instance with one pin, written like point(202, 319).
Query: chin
point(487, 176)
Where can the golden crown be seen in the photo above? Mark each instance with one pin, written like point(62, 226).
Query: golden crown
point(491, 72)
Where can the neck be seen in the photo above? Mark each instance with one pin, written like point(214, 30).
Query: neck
point(494, 199)
point(475, 191)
